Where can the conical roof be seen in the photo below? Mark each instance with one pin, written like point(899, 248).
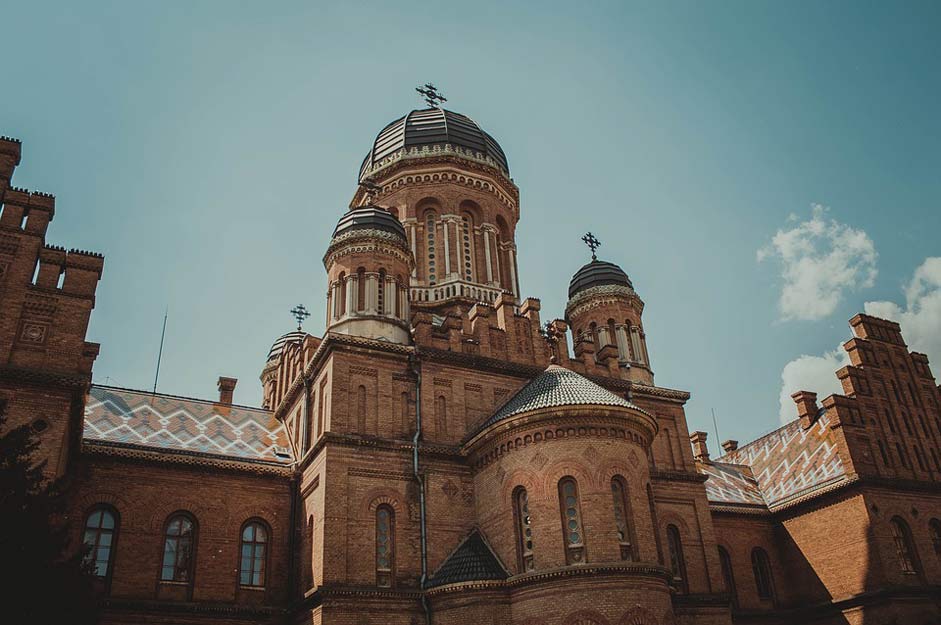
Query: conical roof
point(557, 387)
point(472, 561)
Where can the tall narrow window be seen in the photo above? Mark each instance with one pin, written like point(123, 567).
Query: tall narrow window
point(934, 529)
point(385, 546)
point(361, 410)
point(441, 416)
point(381, 297)
point(677, 560)
point(341, 298)
point(360, 303)
point(430, 232)
point(904, 547)
point(524, 529)
point(253, 556)
point(622, 517)
point(572, 534)
point(725, 561)
point(761, 566)
point(100, 531)
point(467, 236)
point(178, 549)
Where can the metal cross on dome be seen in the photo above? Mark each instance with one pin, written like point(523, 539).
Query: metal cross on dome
point(432, 96)
point(300, 313)
point(592, 242)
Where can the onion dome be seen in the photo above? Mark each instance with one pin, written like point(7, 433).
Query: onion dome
point(278, 347)
point(598, 273)
point(369, 218)
point(434, 127)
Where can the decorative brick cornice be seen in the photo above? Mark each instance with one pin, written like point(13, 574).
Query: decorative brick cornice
point(677, 476)
point(596, 296)
point(183, 457)
point(368, 241)
point(34, 377)
point(247, 612)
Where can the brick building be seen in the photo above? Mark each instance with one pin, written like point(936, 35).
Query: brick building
point(440, 455)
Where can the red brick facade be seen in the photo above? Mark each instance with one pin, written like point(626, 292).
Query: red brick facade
point(416, 465)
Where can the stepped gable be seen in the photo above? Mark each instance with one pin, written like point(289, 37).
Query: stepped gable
point(791, 462)
point(731, 484)
point(170, 423)
point(556, 387)
point(472, 561)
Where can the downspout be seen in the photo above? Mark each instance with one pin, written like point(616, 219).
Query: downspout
point(416, 440)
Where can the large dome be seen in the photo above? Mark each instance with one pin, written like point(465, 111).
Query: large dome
point(597, 273)
point(434, 127)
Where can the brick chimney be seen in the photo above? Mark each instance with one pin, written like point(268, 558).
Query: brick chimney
point(806, 407)
point(729, 446)
point(226, 389)
point(700, 450)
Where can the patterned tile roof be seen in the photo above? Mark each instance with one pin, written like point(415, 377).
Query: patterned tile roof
point(557, 386)
point(731, 483)
point(118, 415)
point(472, 561)
point(787, 463)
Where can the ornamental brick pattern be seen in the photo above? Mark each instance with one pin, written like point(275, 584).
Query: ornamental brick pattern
point(441, 456)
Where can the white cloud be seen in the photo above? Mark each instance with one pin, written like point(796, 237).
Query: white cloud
point(921, 317)
point(810, 373)
point(821, 259)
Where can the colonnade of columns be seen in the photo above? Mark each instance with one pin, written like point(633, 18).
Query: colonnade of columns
point(629, 339)
point(380, 294)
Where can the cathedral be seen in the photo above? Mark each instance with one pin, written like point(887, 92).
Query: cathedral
point(444, 453)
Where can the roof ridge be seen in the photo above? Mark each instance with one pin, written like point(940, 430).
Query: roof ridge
point(171, 396)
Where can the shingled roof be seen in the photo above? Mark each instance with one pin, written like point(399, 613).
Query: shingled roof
point(472, 561)
point(556, 387)
point(166, 422)
point(787, 464)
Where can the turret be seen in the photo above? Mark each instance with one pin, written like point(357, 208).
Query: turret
point(368, 264)
point(604, 313)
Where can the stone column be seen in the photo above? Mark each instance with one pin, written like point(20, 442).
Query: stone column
point(352, 293)
point(413, 229)
point(389, 296)
point(372, 293)
point(635, 345)
point(486, 233)
point(623, 349)
point(447, 248)
point(514, 278)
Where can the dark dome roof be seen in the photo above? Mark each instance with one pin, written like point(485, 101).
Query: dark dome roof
point(369, 217)
point(291, 337)
point(596, 273)
point(433, 127)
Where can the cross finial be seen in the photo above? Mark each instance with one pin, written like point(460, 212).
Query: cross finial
point(433, 98)
point(592, 242)
point(300, 313)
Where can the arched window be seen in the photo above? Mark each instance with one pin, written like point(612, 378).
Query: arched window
point(677, 560)
point(430, 226)
point(385, 546)
point(441, 416)
point(934, 529)
point(622, 517)
point(101, 528)
point(572, 534)
point(761, 567)
point(253, 561)
point(361, 409)
point(340, 306)
point(381, 297)
point(524, 529)
point(725, 561)
point(904, 547)
point(360, 303)
point(467, 245)
point(179, 549)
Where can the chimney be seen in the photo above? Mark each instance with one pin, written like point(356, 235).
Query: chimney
point(700, 450)
point(729, 446)
point(806, 407)
point(226, 389)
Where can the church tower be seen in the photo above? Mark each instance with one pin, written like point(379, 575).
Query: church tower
point(448, 182)
point(368, 264)
point(604, 313)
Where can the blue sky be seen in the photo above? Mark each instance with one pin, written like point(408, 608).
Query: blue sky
point(208, 148)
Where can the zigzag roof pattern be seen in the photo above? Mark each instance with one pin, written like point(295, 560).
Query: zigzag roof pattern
point(171, 423)
point(789, 462)
point(731, 484)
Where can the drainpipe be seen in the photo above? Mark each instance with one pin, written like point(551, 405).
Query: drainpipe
point(416, 440)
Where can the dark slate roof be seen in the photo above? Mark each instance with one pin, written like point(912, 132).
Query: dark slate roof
point(433, 127)
point(291, 337)
point(371, 218)
point(597, 273)
point(171, 423)
point(555, 387)
point(472, 561)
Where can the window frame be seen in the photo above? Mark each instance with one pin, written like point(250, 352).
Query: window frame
point(194, 543)
point(764, 577)
point(934, 532)
point(526, 557)
point(904, 541)
point(680, 580)
point(114, 532)
point(629, 543)
point(385, 577)
point(575, 553)
point(728, 574)
point(266, 554)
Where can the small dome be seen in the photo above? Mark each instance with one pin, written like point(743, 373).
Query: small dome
point(430, 127)
point(369, 218)
point(597, 273)
point(291, 337)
